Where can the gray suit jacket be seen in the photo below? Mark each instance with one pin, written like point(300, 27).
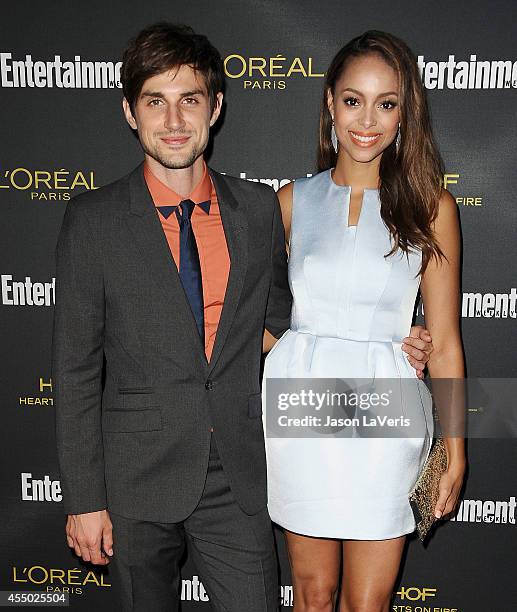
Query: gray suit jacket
point(134, 395)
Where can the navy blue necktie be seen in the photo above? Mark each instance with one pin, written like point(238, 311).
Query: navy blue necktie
point(190, 270)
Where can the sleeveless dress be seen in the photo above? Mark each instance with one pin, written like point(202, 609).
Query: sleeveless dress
point(351, 309)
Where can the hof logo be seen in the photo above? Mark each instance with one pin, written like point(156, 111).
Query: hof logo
point(452, 179)
point(39, 400)
point(56, 579)
point(269, 72)
point(416, 593)
point(46, 185)
point(419, 599)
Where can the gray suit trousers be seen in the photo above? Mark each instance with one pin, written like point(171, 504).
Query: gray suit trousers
point(233, 552)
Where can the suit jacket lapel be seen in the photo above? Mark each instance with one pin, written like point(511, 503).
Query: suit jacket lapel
point(150, 239)
point(235, 225)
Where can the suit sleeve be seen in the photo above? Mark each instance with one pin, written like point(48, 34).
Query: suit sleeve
point(278, 311)
point(77, 362)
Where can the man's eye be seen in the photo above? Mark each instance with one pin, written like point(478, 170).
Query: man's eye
point(351, 101)
point(155, 102)
point(190, 100)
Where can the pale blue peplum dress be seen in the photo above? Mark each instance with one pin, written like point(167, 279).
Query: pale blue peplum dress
point(352, 307)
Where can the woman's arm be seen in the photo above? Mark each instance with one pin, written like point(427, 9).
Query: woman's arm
point(440, 290)
point(285, 197)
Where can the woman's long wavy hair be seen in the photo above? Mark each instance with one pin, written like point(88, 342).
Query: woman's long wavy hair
point(410, 179)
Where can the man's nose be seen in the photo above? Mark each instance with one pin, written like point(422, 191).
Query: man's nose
point(174, 118)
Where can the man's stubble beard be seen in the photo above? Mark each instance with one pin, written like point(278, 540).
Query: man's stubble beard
point(175, 163)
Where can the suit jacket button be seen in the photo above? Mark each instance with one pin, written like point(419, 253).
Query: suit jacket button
point(209, 385)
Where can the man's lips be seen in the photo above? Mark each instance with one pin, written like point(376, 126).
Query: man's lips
point(364, 139)
point(175, 140)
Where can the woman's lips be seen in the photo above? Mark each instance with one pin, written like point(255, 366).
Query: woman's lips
point(364, 139)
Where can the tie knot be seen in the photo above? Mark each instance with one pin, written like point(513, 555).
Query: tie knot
point(186, 207)
point(184, 212)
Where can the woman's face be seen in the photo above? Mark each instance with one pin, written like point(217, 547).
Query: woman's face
point(365, 108)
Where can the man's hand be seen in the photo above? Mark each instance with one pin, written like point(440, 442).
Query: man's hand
point(418, 346)
point(90, 535)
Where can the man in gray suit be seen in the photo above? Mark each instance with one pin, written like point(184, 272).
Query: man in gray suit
point(151, 403)
point(166, 280)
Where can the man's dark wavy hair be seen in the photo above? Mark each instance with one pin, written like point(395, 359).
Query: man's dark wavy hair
point(166, 46)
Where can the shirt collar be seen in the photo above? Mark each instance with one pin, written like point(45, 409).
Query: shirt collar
point(163, 195)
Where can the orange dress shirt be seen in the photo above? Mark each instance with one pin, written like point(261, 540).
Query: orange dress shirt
point(214, 258)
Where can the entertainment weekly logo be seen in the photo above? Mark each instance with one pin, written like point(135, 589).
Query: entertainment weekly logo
point(471, 74)
point(192, 589)
point(497, 511)
point(27, 292)
point(40, 489)
point(60, 73)
point(486, 305)
point(276, 183)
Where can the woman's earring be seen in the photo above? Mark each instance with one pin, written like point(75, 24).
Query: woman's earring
point(333, 137)
point(397, 141)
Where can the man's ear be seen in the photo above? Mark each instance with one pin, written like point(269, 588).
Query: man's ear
point(128, 114)
point(217, 108)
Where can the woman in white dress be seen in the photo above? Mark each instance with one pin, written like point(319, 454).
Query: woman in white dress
point(364, 234)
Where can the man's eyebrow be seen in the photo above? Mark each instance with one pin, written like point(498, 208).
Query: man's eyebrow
point(185, 94)
point(382, 95)
point(152, 94)
point(195, 92)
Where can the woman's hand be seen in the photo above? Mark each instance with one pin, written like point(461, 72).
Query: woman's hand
point(449, 488)
point(268, 341)
point(418, 346)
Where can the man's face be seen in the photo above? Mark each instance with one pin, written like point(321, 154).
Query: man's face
point(173, 117)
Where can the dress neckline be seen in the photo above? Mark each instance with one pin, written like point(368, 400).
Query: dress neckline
point(347, 187)
point(347, 190)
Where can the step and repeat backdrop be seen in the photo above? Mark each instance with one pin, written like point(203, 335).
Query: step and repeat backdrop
point(62, 132)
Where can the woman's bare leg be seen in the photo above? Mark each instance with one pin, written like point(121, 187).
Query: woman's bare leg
point(370, 568)
point(315, 565)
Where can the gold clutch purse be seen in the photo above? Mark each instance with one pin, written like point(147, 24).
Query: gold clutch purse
point(424, 494)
